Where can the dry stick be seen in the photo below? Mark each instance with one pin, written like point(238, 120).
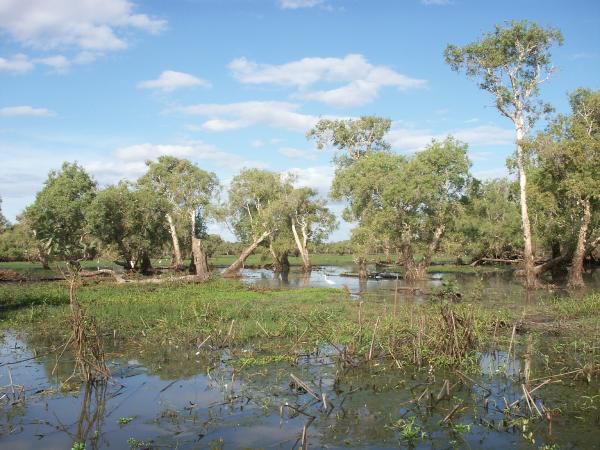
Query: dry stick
point(441, 393)
point(373, 339)
point(263, 330)
point(526, 398)
point(558, 375)
point(451, 413)
point(514, 330)
point(532, 390)
point(305, 386)
point(532, 401)
point(305, 432)
point(203, 342)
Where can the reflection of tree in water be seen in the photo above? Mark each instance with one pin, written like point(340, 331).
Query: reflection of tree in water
point(91, 415)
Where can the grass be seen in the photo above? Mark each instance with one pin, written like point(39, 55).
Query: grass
point(226, 313)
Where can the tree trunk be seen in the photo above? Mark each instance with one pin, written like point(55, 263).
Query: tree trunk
point(418, 271)
point(199, 259)
point(281, 263)
point(43, 258)
point(302, 246)
point(177, 260)
point(528, 261)
point(363, 273)
point(233, 269)
point(576, 271)
point(556, 271)
point(145, 263)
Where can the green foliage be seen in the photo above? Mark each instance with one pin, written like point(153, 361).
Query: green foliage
point(490, 225)
point(564, 166)
point(510, 62)
point(131, 221)
point(4, 223)
point(355, 137)
point(404, 203)
point(57, 217)
point(125, 420)
point(257, 203)
point(17, 244)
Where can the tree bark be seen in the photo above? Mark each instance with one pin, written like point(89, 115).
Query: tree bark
point(145, 264)
point(199, 258)
point(363, 273)
point(233, 269)
point(177, 260)
point(528, 261)
point(302, 246)
point(576, 271)
point(281, 263)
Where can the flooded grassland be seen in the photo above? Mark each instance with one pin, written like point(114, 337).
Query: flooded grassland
point(459, 361)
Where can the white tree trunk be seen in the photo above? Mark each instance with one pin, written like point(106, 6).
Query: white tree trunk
point(302, 246)
point(177, 261)
point(576, 271)
point(198, 255)
point(233, 269)
point(528, 261)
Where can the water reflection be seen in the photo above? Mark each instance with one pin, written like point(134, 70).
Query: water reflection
point(178, 401)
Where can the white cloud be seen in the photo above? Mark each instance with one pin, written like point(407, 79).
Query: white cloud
point(295, 153)
point(318, 177)
point(170, 80)
point(257, 143)
point(15, 111)
point(233, 116)
point(407, 138)
point(16, 64)
point(295, 4)
point(361, 80)
point(485, 135)
point(57, 62)
point(94, 25)
point(194, 150)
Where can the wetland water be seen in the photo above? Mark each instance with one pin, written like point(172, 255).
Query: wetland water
point(177, 397)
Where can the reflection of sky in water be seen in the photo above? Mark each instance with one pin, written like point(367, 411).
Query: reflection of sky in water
point(244, 408)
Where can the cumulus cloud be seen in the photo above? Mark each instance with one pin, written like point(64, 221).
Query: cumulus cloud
point(412, 139)
point(25, 110)
point(233, 116)
point(296, 4)
point(94, 25)
point(361, 80)
point(16, 64)
point(170, 80)
point(194, 150)
point(318, 177)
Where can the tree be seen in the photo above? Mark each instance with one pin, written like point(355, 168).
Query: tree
point(132, 221)
point(255, 210)
point(568, 154)
point(511, 62)
point(57, 217)
point(4, 223)
point(426, 196)
point(356, 138)
point(406, 203)
point(490, 224)
point(189, 191)
point(310, 221)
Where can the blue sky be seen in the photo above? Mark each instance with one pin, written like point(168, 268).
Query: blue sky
point(236, 83)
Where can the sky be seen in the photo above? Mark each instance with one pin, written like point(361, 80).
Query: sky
point(230, 84)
